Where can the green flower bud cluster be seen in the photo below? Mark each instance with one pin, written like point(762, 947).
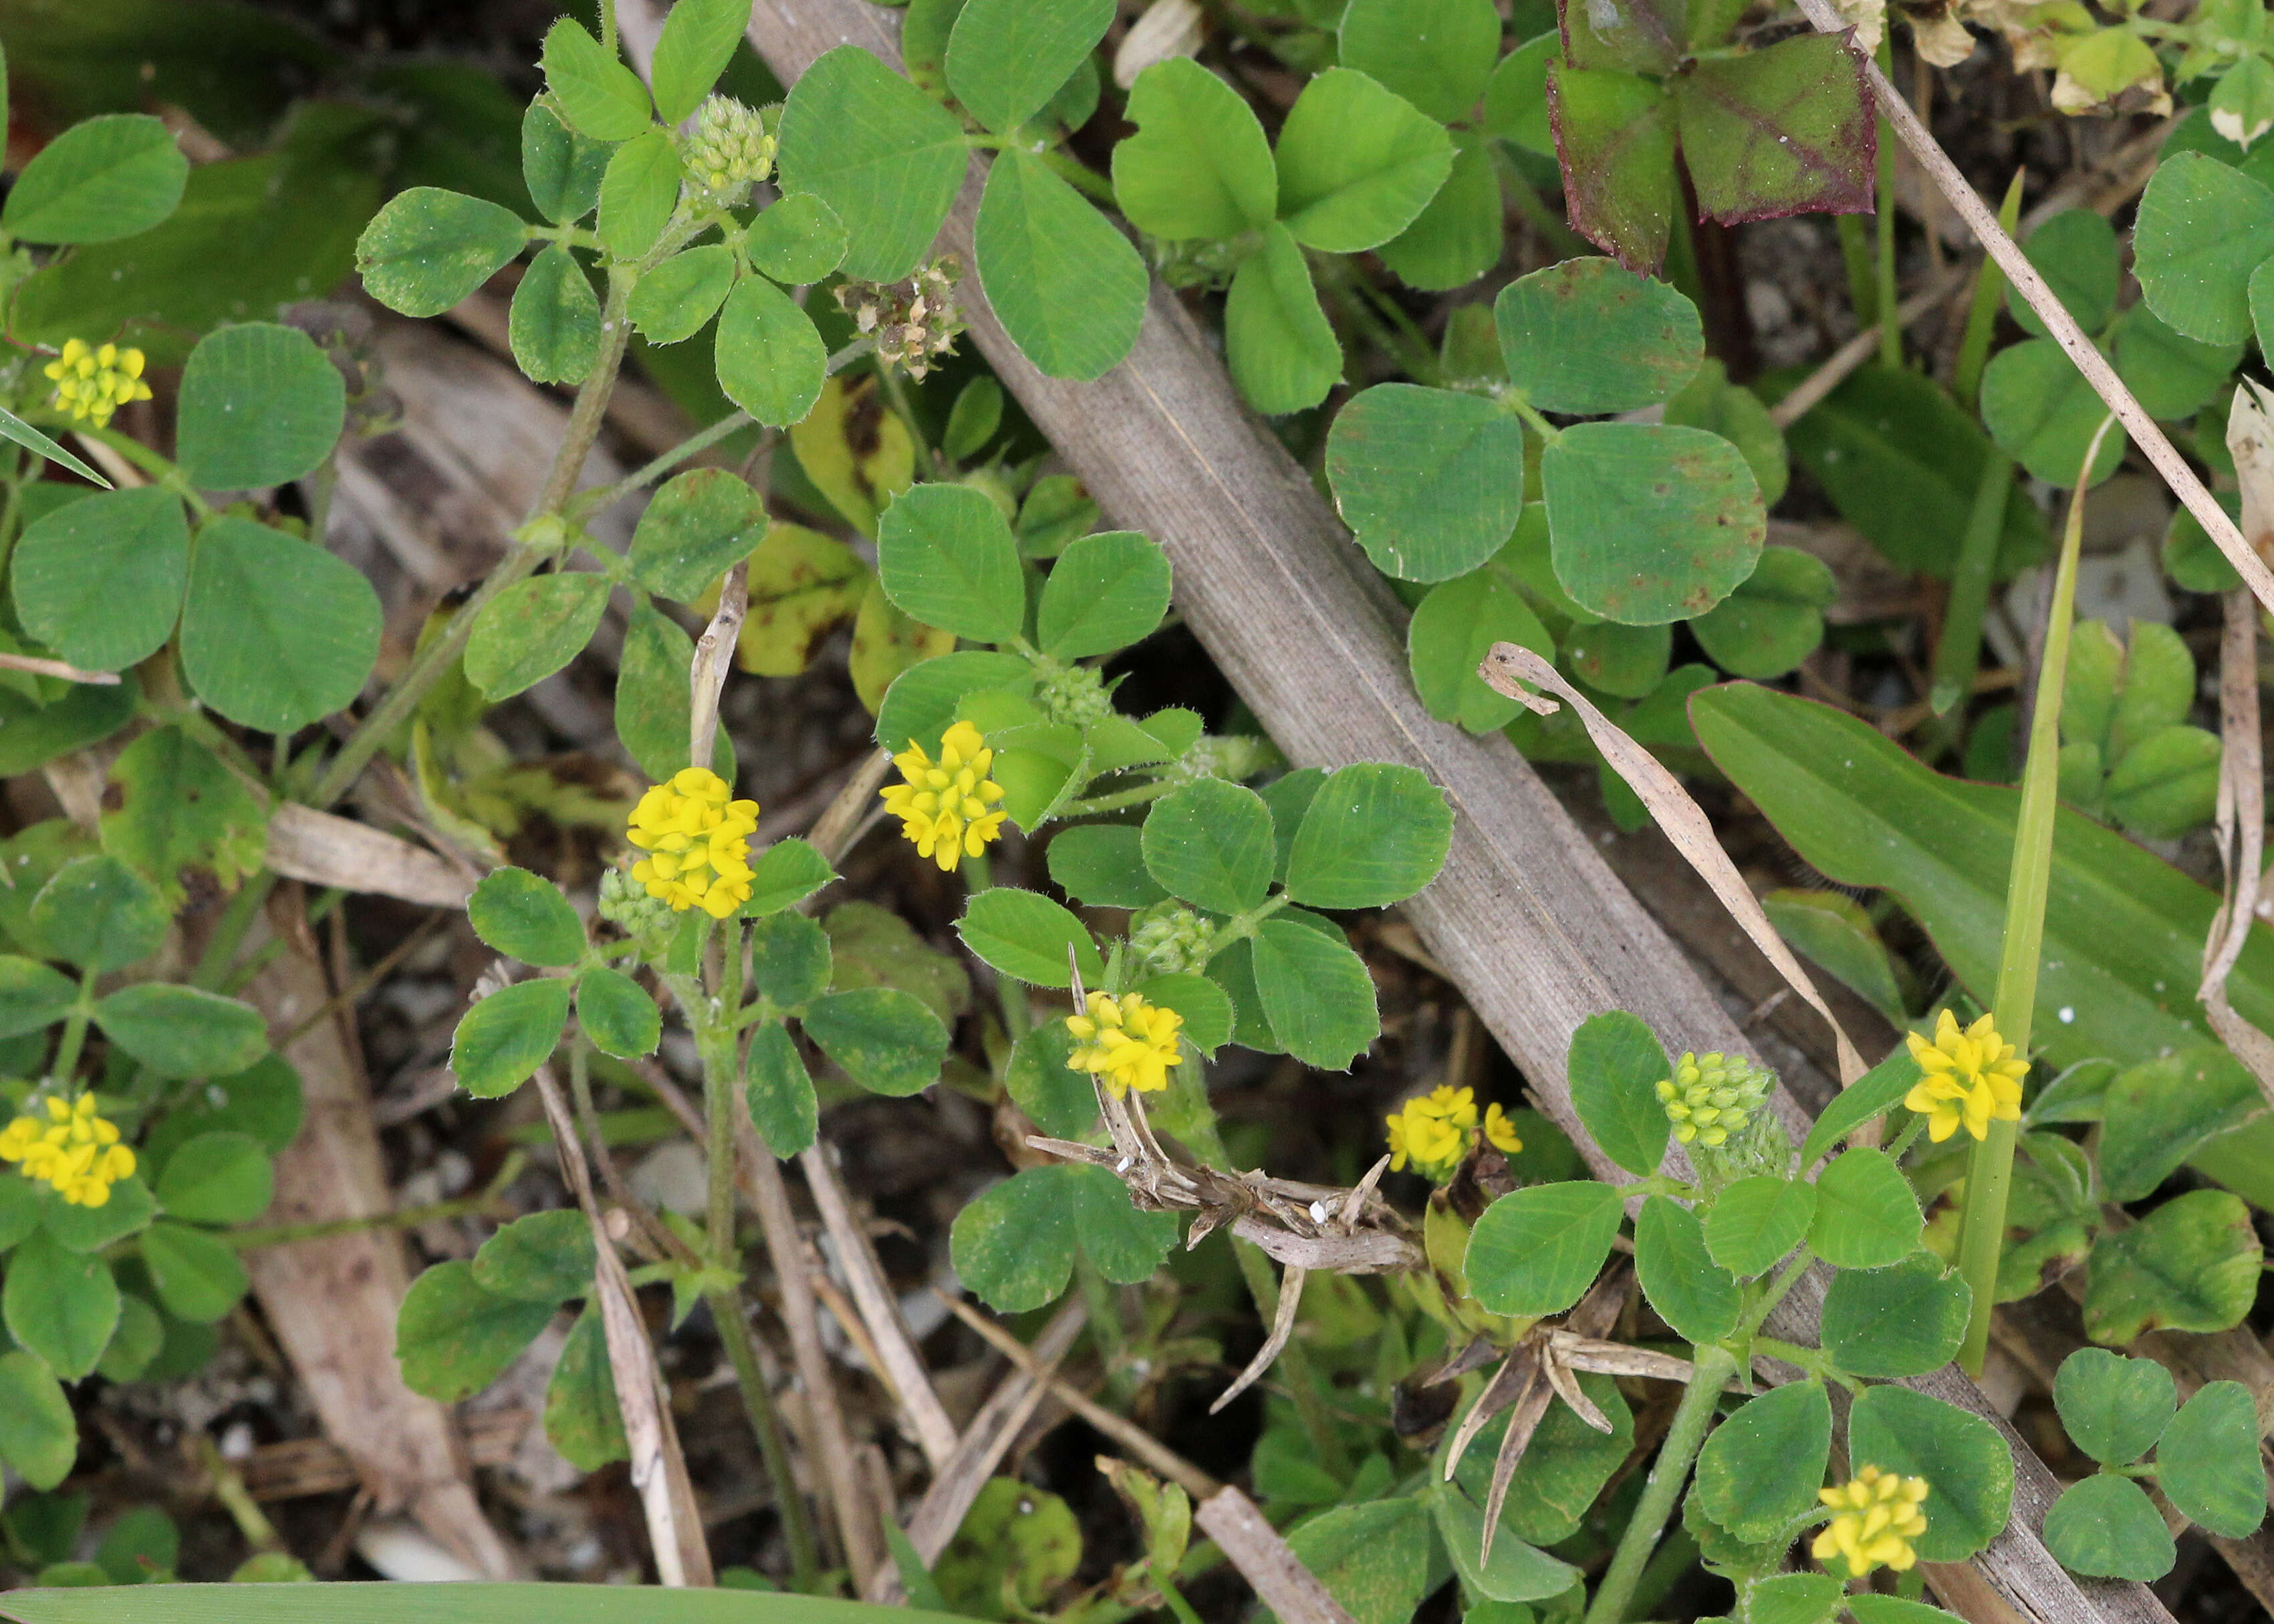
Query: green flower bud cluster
point(1075, 696)
point(1711, 1098)
point(1229, 756)
point(730, 150)
point(1170, 938)
point(625, 904)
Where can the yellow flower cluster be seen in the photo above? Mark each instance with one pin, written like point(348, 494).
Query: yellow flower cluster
point(1129, 1042)
point(91, 384)
point(1711, 1096)
point(73, 1149)
point(950, 809)
point(1973, 1077)
point(1878, 1517)
point(1435, 1130)
point(698, 842)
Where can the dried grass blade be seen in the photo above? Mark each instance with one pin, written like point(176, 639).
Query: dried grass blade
point(1682, 819)
point(1265, 1560)
point(1283, 1327)
point(659, 1467)
point(714, 653)
point(984, 1443)
point(2024, 277)
point(325, 849)
point(879, 1310)
point(2241, 815)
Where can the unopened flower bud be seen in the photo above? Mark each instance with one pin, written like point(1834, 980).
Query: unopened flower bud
point(730, 150)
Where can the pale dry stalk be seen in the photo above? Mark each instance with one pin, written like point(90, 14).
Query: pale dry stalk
point(2073, 339)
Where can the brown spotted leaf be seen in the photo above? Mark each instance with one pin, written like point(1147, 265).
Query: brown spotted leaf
point(1785, 131)
point(802, 585)
point(1649, 523)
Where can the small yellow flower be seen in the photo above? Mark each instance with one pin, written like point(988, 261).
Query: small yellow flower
point(950, 809)
point(1500, 1133)
point(74, 1150)
point(698, 842)
point(1972, 1079)
point(1129, 1042)
point(1878, 1517)
point(1434, 1131)
point(91, 384)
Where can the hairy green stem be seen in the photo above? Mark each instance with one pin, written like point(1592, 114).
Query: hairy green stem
point(1692, 1417)
point(718, 1047)
point(1080, 175)
point(74, 1038)
point(773, 1445)
point(427, 666)
point(1775, 1293)
point(608, 496)
point(1117, 801)
point(1989, 1169)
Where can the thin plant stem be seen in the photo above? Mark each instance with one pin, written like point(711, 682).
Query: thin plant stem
point(1106, 1328)
point(655, 468)
point(1117, 801)
point(1856, 257)
point(716, 1044)
point(1080, 176)
point(74, 1038)
point(213, 964)
point(1959, 654)
point(1010, 994)
point(1175, 1600)
point(773, 1445)
point(1712, 1370)
point(1989, 1169)
point(408, 1218)
point(1982, 314)
point(1891, 333)
point(1302, 1379)
point(427, 666)
point(1776, 1293)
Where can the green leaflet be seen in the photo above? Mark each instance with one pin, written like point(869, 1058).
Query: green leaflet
point(883, 154)
point(1014, 1244)
point(261, 405)
point(1068, 286)
point(2123, 929)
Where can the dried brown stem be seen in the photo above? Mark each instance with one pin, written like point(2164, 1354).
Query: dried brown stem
point(2241, 806)
point(1119, 1428)
point(983, 1447)
point(659, 1469)
point(714, 657)
point(1267, 1562)
point(895, 1354)
point(2072, 338)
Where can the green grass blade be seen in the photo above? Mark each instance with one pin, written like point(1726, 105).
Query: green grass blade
point(436, 1603)
point(23, 434)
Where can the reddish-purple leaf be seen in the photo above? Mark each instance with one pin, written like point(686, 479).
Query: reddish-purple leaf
point(1642, 36)
point(1615, 139)
point(1785, 131)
